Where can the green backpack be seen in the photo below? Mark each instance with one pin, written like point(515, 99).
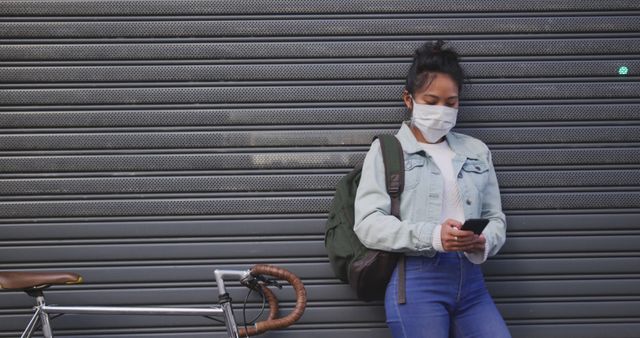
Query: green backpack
point(367, 271)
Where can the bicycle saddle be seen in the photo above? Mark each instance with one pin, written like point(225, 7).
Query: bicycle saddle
point(22, 280)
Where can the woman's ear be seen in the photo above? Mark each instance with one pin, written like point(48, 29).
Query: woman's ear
point(408, 101)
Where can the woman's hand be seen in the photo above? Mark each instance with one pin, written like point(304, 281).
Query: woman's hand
point(454, 239)
point(478, 245)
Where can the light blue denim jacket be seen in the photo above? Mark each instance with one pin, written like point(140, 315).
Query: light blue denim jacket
point(421, 200)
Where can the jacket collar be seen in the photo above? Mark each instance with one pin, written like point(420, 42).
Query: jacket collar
point(407, 140)
point(411, 146)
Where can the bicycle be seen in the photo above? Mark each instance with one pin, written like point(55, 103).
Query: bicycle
point(34, 283)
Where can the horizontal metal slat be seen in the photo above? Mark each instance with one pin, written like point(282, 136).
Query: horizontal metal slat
point(318, 27)
point(204, 7)
point(201, 206)
point(550, 268)
point(495, 269)
point(579, 200)
point(259, 138)
point(125, 185)
point(577, 222)
point(284, 205)
point(316, 71)
point(291, 182)
point(312, 49)
point(128, 252)
point(565, 288)
point(174, 229)
point(571, 310)
point(543, 91)
point(212, 117)
point(281, 249)
point(566, 156)
point(571, 244)
point(177, 273)
point(294, 116)
point(181, 162)
point(87, 230)
point(588, 329)
point(270, 94)
point(301, 138)
point(548, 134)
point(171, 184)
point(303, 93)
point(568, 112)
point(538, 69)
point(568, 178)
point(347, 160)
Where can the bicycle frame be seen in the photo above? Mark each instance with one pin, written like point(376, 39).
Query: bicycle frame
point(224, 309)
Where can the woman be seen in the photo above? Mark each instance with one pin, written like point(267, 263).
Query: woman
point(449, 178)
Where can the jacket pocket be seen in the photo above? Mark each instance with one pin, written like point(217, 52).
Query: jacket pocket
point(475, 166)
point(412, 170)
point(477, 172)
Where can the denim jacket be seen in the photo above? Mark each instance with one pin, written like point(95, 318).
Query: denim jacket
point(421, 200)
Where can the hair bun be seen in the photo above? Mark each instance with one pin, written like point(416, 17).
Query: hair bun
point(433, 57)
point(437, 47)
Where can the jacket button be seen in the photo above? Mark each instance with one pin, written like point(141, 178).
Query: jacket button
point(459, 175)
point(468, 202)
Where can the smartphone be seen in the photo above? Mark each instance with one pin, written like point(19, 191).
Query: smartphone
point(475, 224)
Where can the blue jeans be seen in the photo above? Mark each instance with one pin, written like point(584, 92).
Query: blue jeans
point(446, 297)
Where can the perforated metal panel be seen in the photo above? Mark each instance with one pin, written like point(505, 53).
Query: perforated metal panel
point(144, 143)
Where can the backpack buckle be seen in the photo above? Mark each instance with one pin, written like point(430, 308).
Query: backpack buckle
point(394, 186)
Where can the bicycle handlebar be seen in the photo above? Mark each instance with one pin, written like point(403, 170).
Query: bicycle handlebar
point(273, 322)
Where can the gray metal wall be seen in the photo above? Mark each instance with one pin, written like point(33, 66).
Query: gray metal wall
point(143, 143)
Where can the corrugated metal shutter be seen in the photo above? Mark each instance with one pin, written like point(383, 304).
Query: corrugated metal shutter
point(143, 143)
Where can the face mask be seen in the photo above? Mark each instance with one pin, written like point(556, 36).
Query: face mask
point(433, 121)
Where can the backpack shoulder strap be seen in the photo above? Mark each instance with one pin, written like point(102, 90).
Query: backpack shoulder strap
point(393, 158)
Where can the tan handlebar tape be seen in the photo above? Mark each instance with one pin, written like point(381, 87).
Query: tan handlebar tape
point(273, 322)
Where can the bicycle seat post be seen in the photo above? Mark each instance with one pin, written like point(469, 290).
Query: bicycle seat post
point(43, 315)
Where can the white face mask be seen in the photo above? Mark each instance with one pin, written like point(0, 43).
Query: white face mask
point(433, 121)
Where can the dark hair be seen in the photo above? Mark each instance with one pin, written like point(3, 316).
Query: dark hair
point(430, 59)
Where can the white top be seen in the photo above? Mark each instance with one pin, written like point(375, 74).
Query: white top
point(442, 155)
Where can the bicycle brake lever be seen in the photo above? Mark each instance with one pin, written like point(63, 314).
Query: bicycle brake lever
point(250, 282)
point(269, 281)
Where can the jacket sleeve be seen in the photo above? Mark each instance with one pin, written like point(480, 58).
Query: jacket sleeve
point(496, 231)
point(374, 225)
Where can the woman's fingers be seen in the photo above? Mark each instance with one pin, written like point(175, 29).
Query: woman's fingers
point(461, 236)
point(451, 223)
point(478, 245)
point(454, 239)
